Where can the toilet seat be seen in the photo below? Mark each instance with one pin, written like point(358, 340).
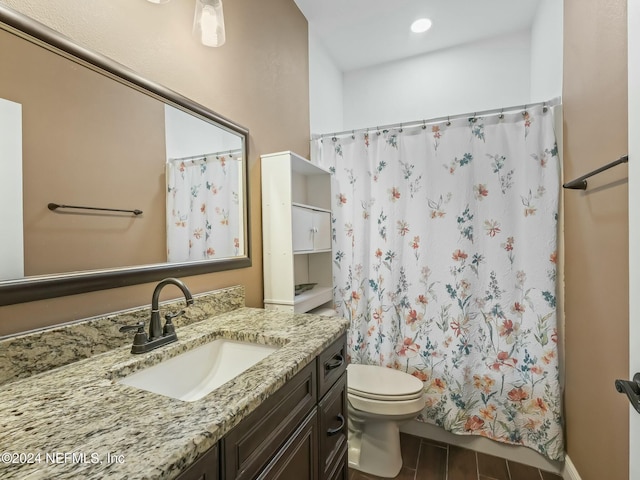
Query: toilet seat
point(383, 384)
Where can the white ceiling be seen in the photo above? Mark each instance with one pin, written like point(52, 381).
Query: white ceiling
point(361, 33)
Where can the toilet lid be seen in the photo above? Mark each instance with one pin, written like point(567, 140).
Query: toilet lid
point(381, 383)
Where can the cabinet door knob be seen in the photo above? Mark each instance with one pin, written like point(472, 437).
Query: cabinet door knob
point(334, 431)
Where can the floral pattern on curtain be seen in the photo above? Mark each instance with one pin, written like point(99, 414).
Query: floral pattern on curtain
point(445, 255)
point(202, 208)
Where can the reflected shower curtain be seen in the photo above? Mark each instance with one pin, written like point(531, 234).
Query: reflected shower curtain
point(445, 253)
point(202, 208)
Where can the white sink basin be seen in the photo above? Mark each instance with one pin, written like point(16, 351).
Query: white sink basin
point(193, 374)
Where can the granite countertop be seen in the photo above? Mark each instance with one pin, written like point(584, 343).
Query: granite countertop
point(76, 421)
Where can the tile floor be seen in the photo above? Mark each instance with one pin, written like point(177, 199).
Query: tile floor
point(425, 459)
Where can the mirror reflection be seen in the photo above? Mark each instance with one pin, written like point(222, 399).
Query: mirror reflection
point(204, 190)
point(73, 135)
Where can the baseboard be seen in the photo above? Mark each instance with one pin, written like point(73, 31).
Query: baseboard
point(569, 472)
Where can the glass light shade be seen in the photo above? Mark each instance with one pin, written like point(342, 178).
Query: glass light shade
point(208, 23)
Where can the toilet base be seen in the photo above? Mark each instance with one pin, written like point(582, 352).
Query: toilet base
point(374, 448)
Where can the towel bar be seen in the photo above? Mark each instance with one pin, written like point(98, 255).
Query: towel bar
point(55, 206)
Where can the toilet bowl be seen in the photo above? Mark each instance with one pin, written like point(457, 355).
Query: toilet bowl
point(379, 400)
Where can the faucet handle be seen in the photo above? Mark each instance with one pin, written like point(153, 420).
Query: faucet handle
point(169, 328)
point(140, 338)
point(128, 328)
point(170, 316)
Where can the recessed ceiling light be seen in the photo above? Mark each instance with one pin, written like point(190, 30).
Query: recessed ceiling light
point(421, 25)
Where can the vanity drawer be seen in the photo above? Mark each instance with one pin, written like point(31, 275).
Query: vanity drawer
point(332, 363)
point(332, 411)
point(254, 441)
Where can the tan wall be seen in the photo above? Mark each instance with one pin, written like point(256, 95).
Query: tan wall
point(91, 141)
point(596, 237)
point(259, 79)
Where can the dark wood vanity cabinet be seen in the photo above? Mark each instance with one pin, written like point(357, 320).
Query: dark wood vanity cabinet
point(298, 433)
point(298, 458)
point(332, 431)
point(249, 447)
point(332, 411)
point(206, 467)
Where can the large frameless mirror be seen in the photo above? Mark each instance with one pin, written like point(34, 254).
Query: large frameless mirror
point(108, 179)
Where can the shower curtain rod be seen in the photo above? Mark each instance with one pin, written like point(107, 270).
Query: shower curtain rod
point(496, 111)
point(203, 155)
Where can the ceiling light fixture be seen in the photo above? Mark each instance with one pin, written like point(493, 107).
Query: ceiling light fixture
point(208, 23)
point(421, 25)
point(158, 1)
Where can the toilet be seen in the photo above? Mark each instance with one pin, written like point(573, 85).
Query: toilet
point(379, 400)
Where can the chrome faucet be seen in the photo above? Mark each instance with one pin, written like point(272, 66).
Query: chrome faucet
point(158, 335)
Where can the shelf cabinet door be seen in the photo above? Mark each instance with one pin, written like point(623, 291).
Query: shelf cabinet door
point(321, 230)
point(302, 220)
point(311, 229)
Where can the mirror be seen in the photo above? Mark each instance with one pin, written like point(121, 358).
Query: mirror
point(108, 179)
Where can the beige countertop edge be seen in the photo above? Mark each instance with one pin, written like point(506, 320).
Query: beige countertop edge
point(76, 421)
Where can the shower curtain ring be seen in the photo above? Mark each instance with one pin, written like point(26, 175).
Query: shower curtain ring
point(400, 128)
point(544, 107)
point(334, 139)
point(424, 124)
point(501, 116)
point(353, 134)
point(448, 121)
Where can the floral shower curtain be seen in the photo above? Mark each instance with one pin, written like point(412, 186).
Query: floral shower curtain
point(203, 208)
point(445, 258)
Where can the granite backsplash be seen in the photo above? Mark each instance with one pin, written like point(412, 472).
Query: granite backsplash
point(39, 351)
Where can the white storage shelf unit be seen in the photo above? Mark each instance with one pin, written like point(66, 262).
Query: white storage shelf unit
point(296, 230)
